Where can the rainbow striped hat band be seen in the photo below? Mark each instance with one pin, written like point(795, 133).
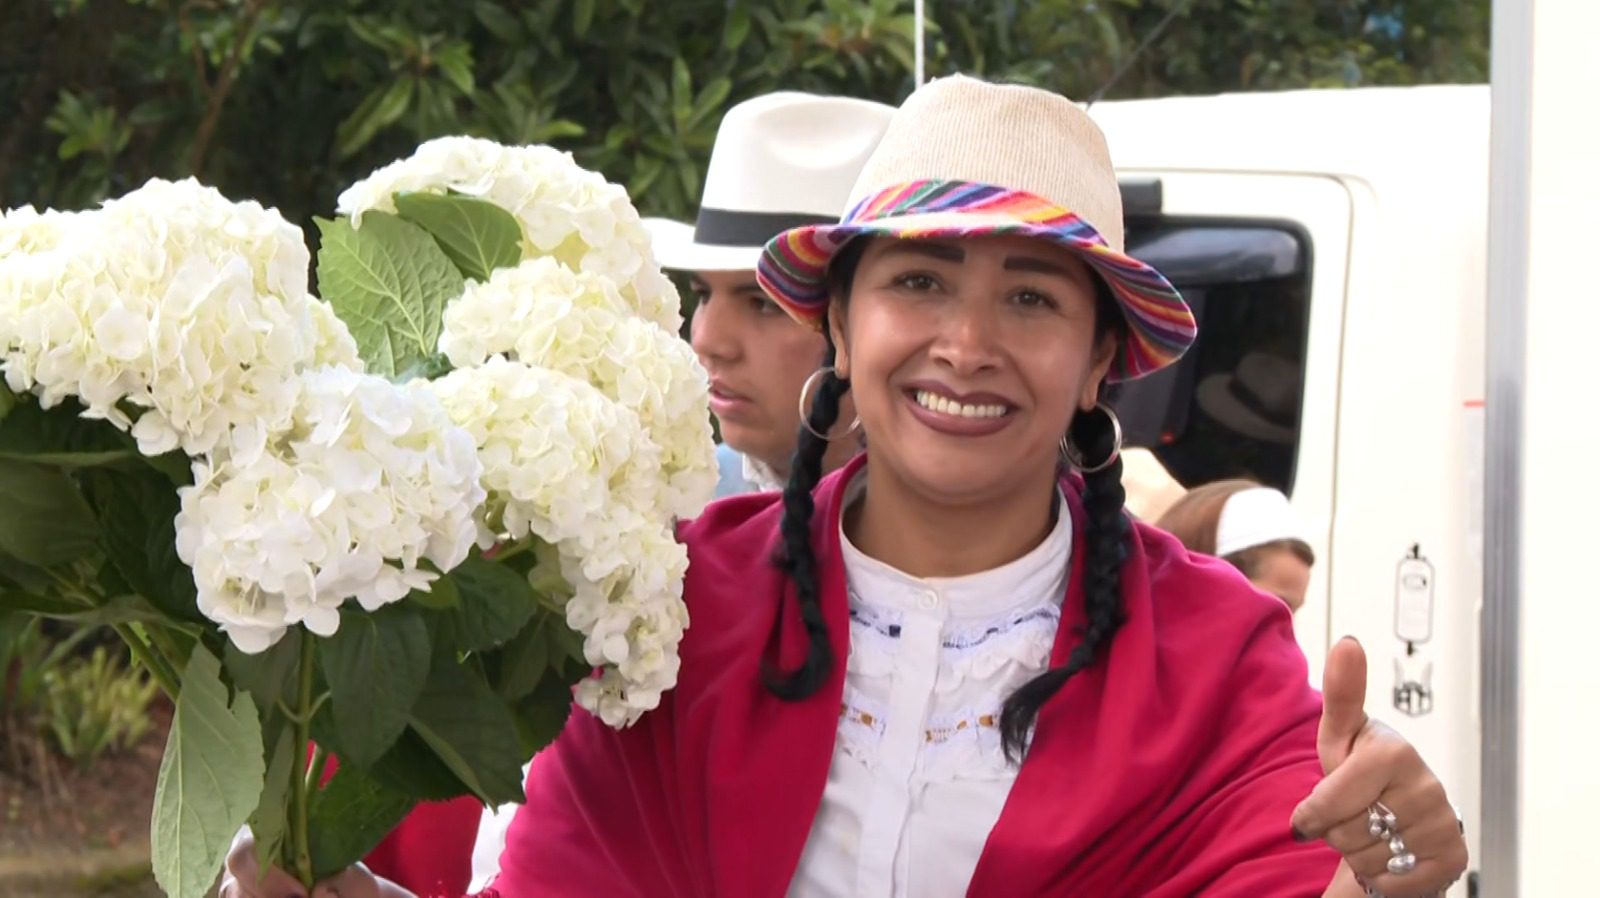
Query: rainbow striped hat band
point(794, 266)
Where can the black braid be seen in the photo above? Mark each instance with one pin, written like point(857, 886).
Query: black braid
point(1106, 547)
point(798, 559)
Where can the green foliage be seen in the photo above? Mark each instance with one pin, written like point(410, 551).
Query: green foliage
point(389, 280)
point(95, 705)
point(270, 822)
point(210, 781)
point(470, 729)
point(43, 520)
point(376, 666)
point(496, 602)
point(352, 815)
point(477, 235)
point(29, 657)
point(289, 101)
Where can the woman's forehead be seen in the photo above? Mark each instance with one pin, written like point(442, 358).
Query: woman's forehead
point(1018, 253)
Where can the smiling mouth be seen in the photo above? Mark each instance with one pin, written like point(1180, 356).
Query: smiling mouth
point(944, 405)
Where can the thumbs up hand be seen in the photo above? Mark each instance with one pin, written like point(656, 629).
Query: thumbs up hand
point(1378, 802)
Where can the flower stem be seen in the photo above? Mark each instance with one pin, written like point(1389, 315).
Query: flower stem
point(151, 660)
point(301, 787)
point(507, 551)
point(162, 642)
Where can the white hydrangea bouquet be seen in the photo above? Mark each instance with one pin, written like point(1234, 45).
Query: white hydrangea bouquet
point(401, 525)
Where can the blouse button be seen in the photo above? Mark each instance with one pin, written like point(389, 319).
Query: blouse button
point(928, 601)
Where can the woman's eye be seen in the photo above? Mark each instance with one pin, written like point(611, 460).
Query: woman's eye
point(1034, 299)
point(916, 282)
point(761, 305)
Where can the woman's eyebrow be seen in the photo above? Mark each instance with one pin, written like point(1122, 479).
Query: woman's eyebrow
point(1035, 265)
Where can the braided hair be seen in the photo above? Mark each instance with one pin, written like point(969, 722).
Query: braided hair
point(1106, 536)
point(1106, 547)
point(797, 557)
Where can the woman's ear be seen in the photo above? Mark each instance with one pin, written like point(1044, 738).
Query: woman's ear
point(1104, 354)
point(841, 343)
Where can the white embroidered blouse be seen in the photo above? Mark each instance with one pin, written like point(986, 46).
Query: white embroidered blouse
point(918, 778)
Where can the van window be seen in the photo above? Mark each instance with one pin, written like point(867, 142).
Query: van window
point(1231, 407)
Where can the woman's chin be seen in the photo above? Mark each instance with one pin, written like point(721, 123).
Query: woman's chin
point(957, 476)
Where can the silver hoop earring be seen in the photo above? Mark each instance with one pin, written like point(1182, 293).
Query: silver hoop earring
point(1094, 422)
point(805, 419)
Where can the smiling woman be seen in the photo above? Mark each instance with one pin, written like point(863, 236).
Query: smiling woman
point(970, 673)
point(967, 359)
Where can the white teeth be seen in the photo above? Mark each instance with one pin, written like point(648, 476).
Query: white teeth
point(945, 406)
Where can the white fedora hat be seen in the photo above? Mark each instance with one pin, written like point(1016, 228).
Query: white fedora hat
point(781, 161)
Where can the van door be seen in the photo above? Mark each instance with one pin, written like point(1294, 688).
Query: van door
point(1263, 260)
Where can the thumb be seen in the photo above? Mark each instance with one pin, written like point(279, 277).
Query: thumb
point(1344, 696)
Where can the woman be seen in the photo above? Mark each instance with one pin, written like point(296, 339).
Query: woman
point(967, 672)
point(780, 160)
point(1251, 527)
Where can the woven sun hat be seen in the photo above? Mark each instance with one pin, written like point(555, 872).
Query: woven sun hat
point(1257, 517)
point(966, 158)
point(780, 161)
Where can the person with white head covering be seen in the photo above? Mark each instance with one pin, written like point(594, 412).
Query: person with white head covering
point(1250, 526)
point(781, 160)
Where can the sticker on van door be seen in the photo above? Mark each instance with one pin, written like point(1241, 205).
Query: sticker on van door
point(1413, 625)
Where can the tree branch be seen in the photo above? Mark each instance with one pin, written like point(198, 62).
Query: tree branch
point(244, 28)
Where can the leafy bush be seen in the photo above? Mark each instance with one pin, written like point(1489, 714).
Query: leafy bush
point(289, 101)
point(96, 704)
point(29, 656)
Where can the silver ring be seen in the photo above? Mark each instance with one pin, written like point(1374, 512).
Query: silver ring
point(1402, 861)
point(1381, 822)
point(1402, 864)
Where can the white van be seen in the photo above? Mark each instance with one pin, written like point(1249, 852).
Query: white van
point(1332, 244)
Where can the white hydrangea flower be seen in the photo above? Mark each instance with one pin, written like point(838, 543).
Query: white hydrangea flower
point(369, 480)
point(566, 212)
point(171, 300)
point(632, 621)
point(333, 347)
point(27, 230)
point(549, 317)
point(556, 452)
point(568, 465)
point(486, 319)
point(589, 413)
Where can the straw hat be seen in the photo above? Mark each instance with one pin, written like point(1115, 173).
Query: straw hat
point(780, 161)
point(966, 158)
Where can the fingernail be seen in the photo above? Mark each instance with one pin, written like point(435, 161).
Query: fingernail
point(1299, 836)
point(1351, 639)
